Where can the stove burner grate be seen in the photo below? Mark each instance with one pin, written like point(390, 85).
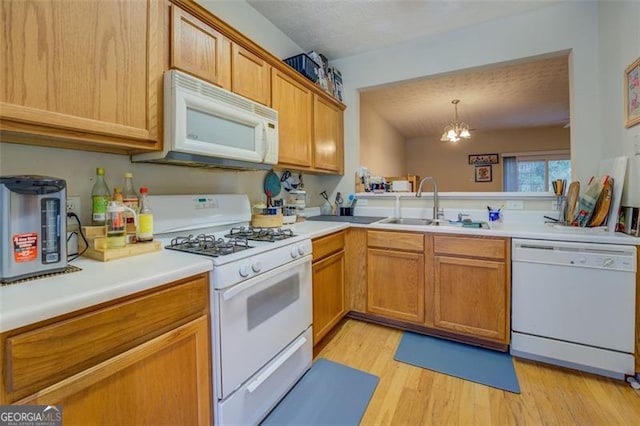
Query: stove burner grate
point(208, 245)
point(261, 234)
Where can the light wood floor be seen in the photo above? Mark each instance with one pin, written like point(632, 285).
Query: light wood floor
point(408, 395)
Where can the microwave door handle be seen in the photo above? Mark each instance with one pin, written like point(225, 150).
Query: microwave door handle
point(265, 143)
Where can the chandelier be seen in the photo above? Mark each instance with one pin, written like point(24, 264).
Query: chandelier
point(453, 132)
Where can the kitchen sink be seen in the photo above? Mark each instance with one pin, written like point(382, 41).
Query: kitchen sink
point(439, 223)
point(408, 221)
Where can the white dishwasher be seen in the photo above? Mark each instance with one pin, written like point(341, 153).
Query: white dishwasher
point(573, 304)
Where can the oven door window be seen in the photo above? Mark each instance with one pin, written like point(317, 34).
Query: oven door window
point(258, 318)
point(269, 302)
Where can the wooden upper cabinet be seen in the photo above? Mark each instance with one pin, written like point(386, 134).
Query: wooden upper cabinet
point(294, 103)
point(250, 75)
point(198, 49)
point(328, 136)
point(85, 73)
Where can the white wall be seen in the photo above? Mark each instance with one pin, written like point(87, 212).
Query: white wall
point(449, 163)
point(566, 26)
point(619, 46)
point(385, 146)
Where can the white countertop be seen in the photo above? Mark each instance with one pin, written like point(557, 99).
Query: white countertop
point(28, 302)
point(538, 231)
point(98, 282)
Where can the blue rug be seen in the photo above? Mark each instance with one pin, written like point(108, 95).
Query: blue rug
point(467, 362)
point(328, 394)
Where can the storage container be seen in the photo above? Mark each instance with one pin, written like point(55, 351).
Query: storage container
point(304, 65)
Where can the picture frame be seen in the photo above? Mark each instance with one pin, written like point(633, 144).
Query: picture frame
point(478, 159)
point(483, 173)
point(632, 94)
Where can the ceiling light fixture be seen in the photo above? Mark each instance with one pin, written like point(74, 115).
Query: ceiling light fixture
point(453, 132)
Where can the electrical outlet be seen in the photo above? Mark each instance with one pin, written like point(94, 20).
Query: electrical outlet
point(73, 205)
point(515, 204)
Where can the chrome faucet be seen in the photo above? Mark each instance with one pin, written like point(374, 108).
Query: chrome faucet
point(431, 179)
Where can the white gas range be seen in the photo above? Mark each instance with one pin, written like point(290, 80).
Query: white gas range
point(261, 307)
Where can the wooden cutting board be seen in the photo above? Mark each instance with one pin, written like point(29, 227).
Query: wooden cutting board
point(572, 200)
point(601, 209)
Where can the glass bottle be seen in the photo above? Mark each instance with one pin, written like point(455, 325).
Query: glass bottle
point(145, 217)
point(100, 196)
point(129, 198)
point(116, 222)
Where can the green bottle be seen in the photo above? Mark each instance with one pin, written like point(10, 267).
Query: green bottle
point(100, 197)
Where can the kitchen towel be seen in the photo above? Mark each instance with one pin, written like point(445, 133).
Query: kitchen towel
point(328, 394)
point(467, 362)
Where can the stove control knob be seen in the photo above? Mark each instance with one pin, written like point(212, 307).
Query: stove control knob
point(294, 252)
point(256, 267)
point(301, 250)
point(244, 271)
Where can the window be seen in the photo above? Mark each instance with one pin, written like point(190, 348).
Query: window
point(534, 171)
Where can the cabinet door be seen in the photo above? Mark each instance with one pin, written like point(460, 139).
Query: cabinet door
point(85, 72)
point(251, 75)
point(328, 294)
point(471, 297)
point(199, 49)
point(395, 284)
point(328, 136)
point(166, 380)
point(294, 104)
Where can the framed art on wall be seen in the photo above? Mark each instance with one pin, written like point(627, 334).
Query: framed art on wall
point(478, 159)
point(483, 173)
point(632, 94)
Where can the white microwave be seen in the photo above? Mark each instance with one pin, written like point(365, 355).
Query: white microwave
point(205, 125)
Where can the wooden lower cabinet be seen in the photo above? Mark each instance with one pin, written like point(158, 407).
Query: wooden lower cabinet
point(396, 284)
point(355, 274)
point(453, 286)
point(328, 284)
point(142, 359)
point(471, 293)
point(469, 297)
point(163, 381)
point(396, 275)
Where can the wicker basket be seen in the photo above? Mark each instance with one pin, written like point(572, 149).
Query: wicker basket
point(266, 220)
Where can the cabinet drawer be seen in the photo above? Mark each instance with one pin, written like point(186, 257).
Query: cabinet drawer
point(324, 246)
point(491, 248)
point(395, 240)
point(40, 357)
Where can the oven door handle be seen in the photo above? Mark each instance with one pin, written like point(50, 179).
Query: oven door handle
point(277, 364)
point(234, 291)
